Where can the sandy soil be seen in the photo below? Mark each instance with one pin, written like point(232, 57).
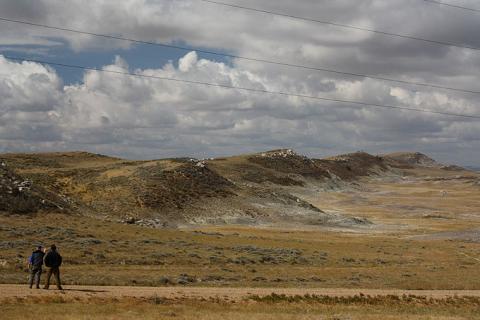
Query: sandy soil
point(232, 294)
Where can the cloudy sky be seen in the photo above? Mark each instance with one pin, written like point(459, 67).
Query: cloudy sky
point(48, 108)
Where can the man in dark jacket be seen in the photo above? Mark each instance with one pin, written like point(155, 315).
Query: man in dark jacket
point(53, 260)
point(35, 263)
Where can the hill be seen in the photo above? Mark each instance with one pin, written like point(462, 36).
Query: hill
point(411, 159)
point(265, 188)
point(20, 195)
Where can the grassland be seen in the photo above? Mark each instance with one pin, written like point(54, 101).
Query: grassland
point(424, 234)
point(272, 307)
point(108, 253)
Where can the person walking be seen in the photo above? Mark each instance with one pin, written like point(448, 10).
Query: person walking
point(35, 263)
point(53, 260)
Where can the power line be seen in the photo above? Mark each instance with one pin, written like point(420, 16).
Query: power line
point(347, 26)
point(452, 5)
point(285, 64)
point(263, 91)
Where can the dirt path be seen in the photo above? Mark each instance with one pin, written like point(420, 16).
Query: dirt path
point(21, 291)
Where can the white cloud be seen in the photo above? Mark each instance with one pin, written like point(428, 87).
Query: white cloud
point(188, 61)
point(137, 117)
point(145, 117)
point(27, 87)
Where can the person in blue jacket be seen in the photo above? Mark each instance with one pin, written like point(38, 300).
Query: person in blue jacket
point(35, 263)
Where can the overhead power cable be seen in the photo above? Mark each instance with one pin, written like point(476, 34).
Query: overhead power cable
point(452, 5)
point(262, 91)
point(285, 64)
point(347, 26)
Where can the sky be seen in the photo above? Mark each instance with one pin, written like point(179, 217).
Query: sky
point(49, 108)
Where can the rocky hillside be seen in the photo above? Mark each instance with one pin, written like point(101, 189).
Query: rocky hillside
point(20, 196)
point(255, 188)
point(411, 159)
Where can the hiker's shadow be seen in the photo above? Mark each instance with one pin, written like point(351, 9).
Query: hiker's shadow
point(85, 290)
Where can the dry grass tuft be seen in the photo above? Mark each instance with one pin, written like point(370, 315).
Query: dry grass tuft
point(367, 300)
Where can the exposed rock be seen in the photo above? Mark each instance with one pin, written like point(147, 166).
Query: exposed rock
point(20, 195)
point(288, 162)
point(128, 220)
point(283, 153)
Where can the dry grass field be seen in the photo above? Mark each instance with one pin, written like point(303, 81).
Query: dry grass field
point(108, 253)
point(418, 229)
point(270, 307)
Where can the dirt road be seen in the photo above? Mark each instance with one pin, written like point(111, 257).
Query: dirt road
point(232, 294)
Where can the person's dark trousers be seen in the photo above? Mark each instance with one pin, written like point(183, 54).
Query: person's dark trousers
point(35, 273)
point(56, 273)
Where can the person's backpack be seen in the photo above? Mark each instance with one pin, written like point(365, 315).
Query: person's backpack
point(53, 259)
point(48, 260)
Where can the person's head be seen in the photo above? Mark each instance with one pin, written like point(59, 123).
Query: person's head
point(53, 247)
point(39, 248)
